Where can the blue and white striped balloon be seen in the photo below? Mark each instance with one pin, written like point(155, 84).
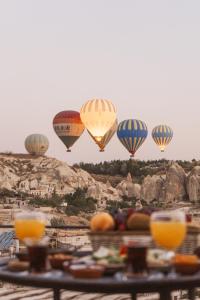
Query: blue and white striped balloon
point(132, 134)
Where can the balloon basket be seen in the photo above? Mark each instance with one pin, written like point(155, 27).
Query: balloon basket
point(68, 150)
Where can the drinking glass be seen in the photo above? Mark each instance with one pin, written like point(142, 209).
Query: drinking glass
point(168, 229)
point(137, 247)
point(29, 225)
point(38, 251)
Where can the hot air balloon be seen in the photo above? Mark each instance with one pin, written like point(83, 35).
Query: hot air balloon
point(106, 138)
point(98, 116)
point(68, 127)
point(132, 134)
point(162, 136)
point(36, 144)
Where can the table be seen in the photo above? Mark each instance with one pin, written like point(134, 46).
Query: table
point(58, 280)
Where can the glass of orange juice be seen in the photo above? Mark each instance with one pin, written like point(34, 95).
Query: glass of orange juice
point(168, 229)
point(29, 225)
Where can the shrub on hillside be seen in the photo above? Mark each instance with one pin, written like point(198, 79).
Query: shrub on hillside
point(57, 222)
point(54, 201)
point(126, 203)
point(78, 202)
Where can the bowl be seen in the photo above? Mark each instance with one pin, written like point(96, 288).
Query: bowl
point(111, 269)
point(187, 269)
point(57, 260)
point(16, 265)
point(22, 256)
point(61, 251)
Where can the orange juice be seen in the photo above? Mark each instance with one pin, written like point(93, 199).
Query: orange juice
point(29, 228)
point(168, 235)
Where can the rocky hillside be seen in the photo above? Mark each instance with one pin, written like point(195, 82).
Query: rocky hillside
point(174, 187)
point(43, 176)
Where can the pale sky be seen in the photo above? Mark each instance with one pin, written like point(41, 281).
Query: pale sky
point(143, 55)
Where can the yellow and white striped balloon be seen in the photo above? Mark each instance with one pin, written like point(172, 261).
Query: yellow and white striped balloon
point(98, 116)
point(106, 138)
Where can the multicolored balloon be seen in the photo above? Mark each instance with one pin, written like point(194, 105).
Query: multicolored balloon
point(132, 134)
point(98, 115)
point(106, 138)
point(68, 127)
point(36, 144)
point(162, 136)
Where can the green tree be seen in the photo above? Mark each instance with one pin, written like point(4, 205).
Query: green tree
point(78, 202)
point(57, 222)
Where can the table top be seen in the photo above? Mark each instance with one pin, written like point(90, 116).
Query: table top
point(62, 280)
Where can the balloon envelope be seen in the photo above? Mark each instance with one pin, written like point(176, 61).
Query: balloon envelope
point(68, 127)
point(132, 134)
point(162, 136)
point(36, 144)
point(98, 115)
point(107, 137)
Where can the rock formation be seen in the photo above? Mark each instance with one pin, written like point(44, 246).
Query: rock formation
point(193, 185)
point(42, 176)
point(175, 186)
point(152, 188)
point(168, 189)
point(128, 188)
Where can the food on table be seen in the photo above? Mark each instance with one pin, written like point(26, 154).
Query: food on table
point(186, 264)
point(106, 256)
point(122, 220)
point(123, 250)
point(18, 266)
point(159, 258)
point(102, 222)
point(185, 259)
point(110, 258)
point(57, 260)
point(138, 221)
point(130, 219)
point(86, 271)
